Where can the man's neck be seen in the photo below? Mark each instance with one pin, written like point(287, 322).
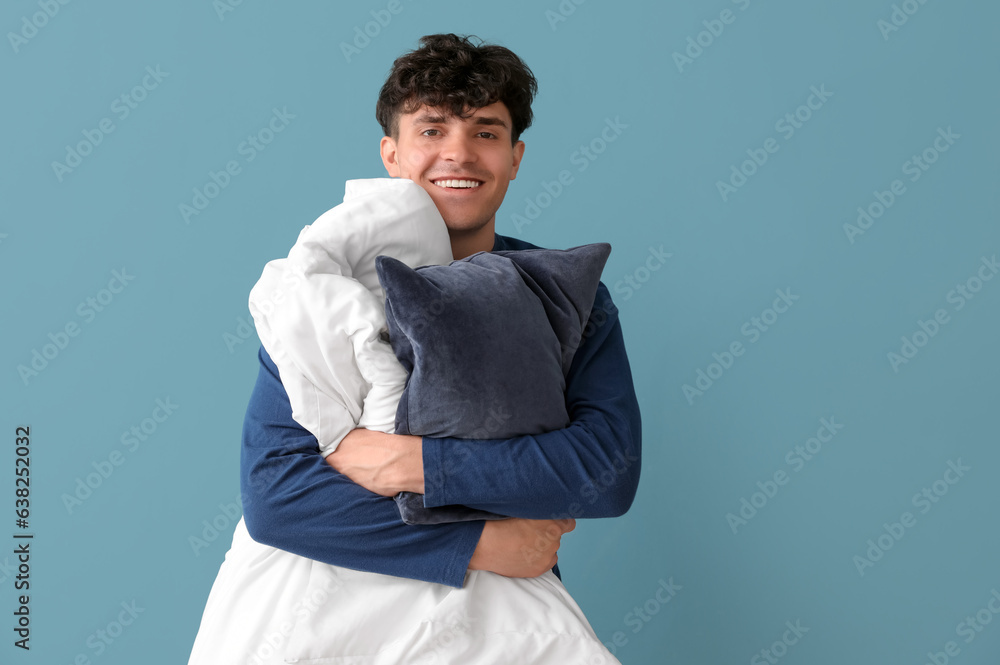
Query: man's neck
point(466, 243)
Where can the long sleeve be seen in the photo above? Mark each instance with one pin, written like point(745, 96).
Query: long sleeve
point(295, 501)
point(588, 469)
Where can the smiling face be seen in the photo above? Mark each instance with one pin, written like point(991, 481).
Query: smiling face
point(465, 164)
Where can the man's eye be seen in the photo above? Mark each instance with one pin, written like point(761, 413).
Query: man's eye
point(490, 135)
point(424, 133)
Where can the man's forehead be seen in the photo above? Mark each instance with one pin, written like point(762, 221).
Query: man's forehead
point(495, 114)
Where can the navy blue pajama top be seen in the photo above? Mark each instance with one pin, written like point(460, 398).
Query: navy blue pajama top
point(295, 501)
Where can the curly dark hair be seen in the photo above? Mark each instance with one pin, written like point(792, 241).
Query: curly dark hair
point(451, 71)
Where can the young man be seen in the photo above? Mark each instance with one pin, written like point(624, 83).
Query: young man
point(452, 113)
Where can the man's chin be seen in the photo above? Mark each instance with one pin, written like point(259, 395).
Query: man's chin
point(461, 219)
point(462, 224)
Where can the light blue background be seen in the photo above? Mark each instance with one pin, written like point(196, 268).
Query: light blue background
point(165, 335)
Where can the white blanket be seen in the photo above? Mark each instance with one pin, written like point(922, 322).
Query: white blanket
point(319, 314)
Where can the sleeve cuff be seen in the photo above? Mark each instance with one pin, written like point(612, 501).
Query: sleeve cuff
point(459, 566)
point(435, 490)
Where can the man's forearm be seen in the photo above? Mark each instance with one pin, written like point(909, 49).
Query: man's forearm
point(543, 484)
point(385, 464)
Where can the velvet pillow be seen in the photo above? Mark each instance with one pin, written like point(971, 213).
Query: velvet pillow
point(495, 331)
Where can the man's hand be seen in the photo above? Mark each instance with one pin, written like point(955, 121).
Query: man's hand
point(520, 548)
point(385, 464)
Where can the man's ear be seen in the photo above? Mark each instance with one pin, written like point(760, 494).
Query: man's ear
point(518, 154)
point(387, 147)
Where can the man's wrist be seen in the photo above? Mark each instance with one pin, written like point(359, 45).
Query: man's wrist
point(410, 463)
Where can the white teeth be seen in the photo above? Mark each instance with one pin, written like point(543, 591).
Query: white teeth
point(465, 184)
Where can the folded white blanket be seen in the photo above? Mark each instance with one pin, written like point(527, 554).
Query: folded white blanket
point(319, 314)
point(320, 311)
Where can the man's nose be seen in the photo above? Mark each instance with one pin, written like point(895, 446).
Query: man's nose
point(458, 148)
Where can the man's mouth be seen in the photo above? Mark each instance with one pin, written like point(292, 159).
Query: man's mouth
point(457, 184)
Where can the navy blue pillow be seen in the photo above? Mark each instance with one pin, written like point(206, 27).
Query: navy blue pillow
point(494, 330)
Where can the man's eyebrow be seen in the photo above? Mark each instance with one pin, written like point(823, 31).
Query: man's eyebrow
point(478, 120)
point(430, 119)
point(490, 120)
